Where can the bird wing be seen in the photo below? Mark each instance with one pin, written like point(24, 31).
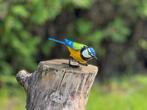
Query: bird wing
point(79, 46)
point(74, 45)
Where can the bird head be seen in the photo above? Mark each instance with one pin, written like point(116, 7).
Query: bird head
point(88, 53)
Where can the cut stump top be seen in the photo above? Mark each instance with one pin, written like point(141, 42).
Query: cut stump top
point(63, 64)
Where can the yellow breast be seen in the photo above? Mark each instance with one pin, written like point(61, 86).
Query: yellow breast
point(76, 55)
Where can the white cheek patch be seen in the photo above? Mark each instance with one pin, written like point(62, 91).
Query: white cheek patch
point(86, 54)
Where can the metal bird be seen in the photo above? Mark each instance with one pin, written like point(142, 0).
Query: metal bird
point(79, 53)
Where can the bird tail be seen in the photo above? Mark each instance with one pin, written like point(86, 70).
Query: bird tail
point(55, 40)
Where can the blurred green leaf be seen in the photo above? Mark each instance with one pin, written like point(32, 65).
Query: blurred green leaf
point(97, 36)
point(82, 3)
point(143, 44)
point(54, 8)
point(3, 9)
point(43, 11)
point(142, 9)
point(6, 69)
point(47, 48)
point(20, 10)
point(117, 31)
point(84, 26)
point(40, 15)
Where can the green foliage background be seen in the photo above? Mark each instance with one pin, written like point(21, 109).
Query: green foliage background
point(107, 25)
point(115, 28)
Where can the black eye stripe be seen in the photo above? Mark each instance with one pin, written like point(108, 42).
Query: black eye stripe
point(89, 53)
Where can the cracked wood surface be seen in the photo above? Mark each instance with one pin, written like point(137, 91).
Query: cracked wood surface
point(56, 86)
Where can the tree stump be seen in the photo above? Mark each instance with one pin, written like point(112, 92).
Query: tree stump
point(56, 86)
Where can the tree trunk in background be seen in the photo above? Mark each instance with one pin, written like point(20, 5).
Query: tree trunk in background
point(56, 86)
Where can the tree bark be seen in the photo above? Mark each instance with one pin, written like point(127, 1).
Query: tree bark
point(56, 86)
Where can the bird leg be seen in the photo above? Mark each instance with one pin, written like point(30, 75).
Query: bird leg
point(85, 64)
point(73, 63)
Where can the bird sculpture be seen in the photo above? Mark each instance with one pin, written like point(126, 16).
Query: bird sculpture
point(79, 53)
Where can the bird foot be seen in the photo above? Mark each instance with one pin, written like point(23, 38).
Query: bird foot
point(74, 64)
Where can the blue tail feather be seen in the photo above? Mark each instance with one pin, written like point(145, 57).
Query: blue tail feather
point(58, 41)
point(65, 42)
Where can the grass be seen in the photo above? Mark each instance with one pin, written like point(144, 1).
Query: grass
point(122, 94)
point(127, 93)
point(12, 96)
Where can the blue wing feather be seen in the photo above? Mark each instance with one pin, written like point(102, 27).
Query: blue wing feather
point(68, 43)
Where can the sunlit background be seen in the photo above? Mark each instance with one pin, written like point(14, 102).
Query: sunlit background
point(117, 29)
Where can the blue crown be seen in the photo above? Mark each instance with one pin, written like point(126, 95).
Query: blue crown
point(92, 52)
